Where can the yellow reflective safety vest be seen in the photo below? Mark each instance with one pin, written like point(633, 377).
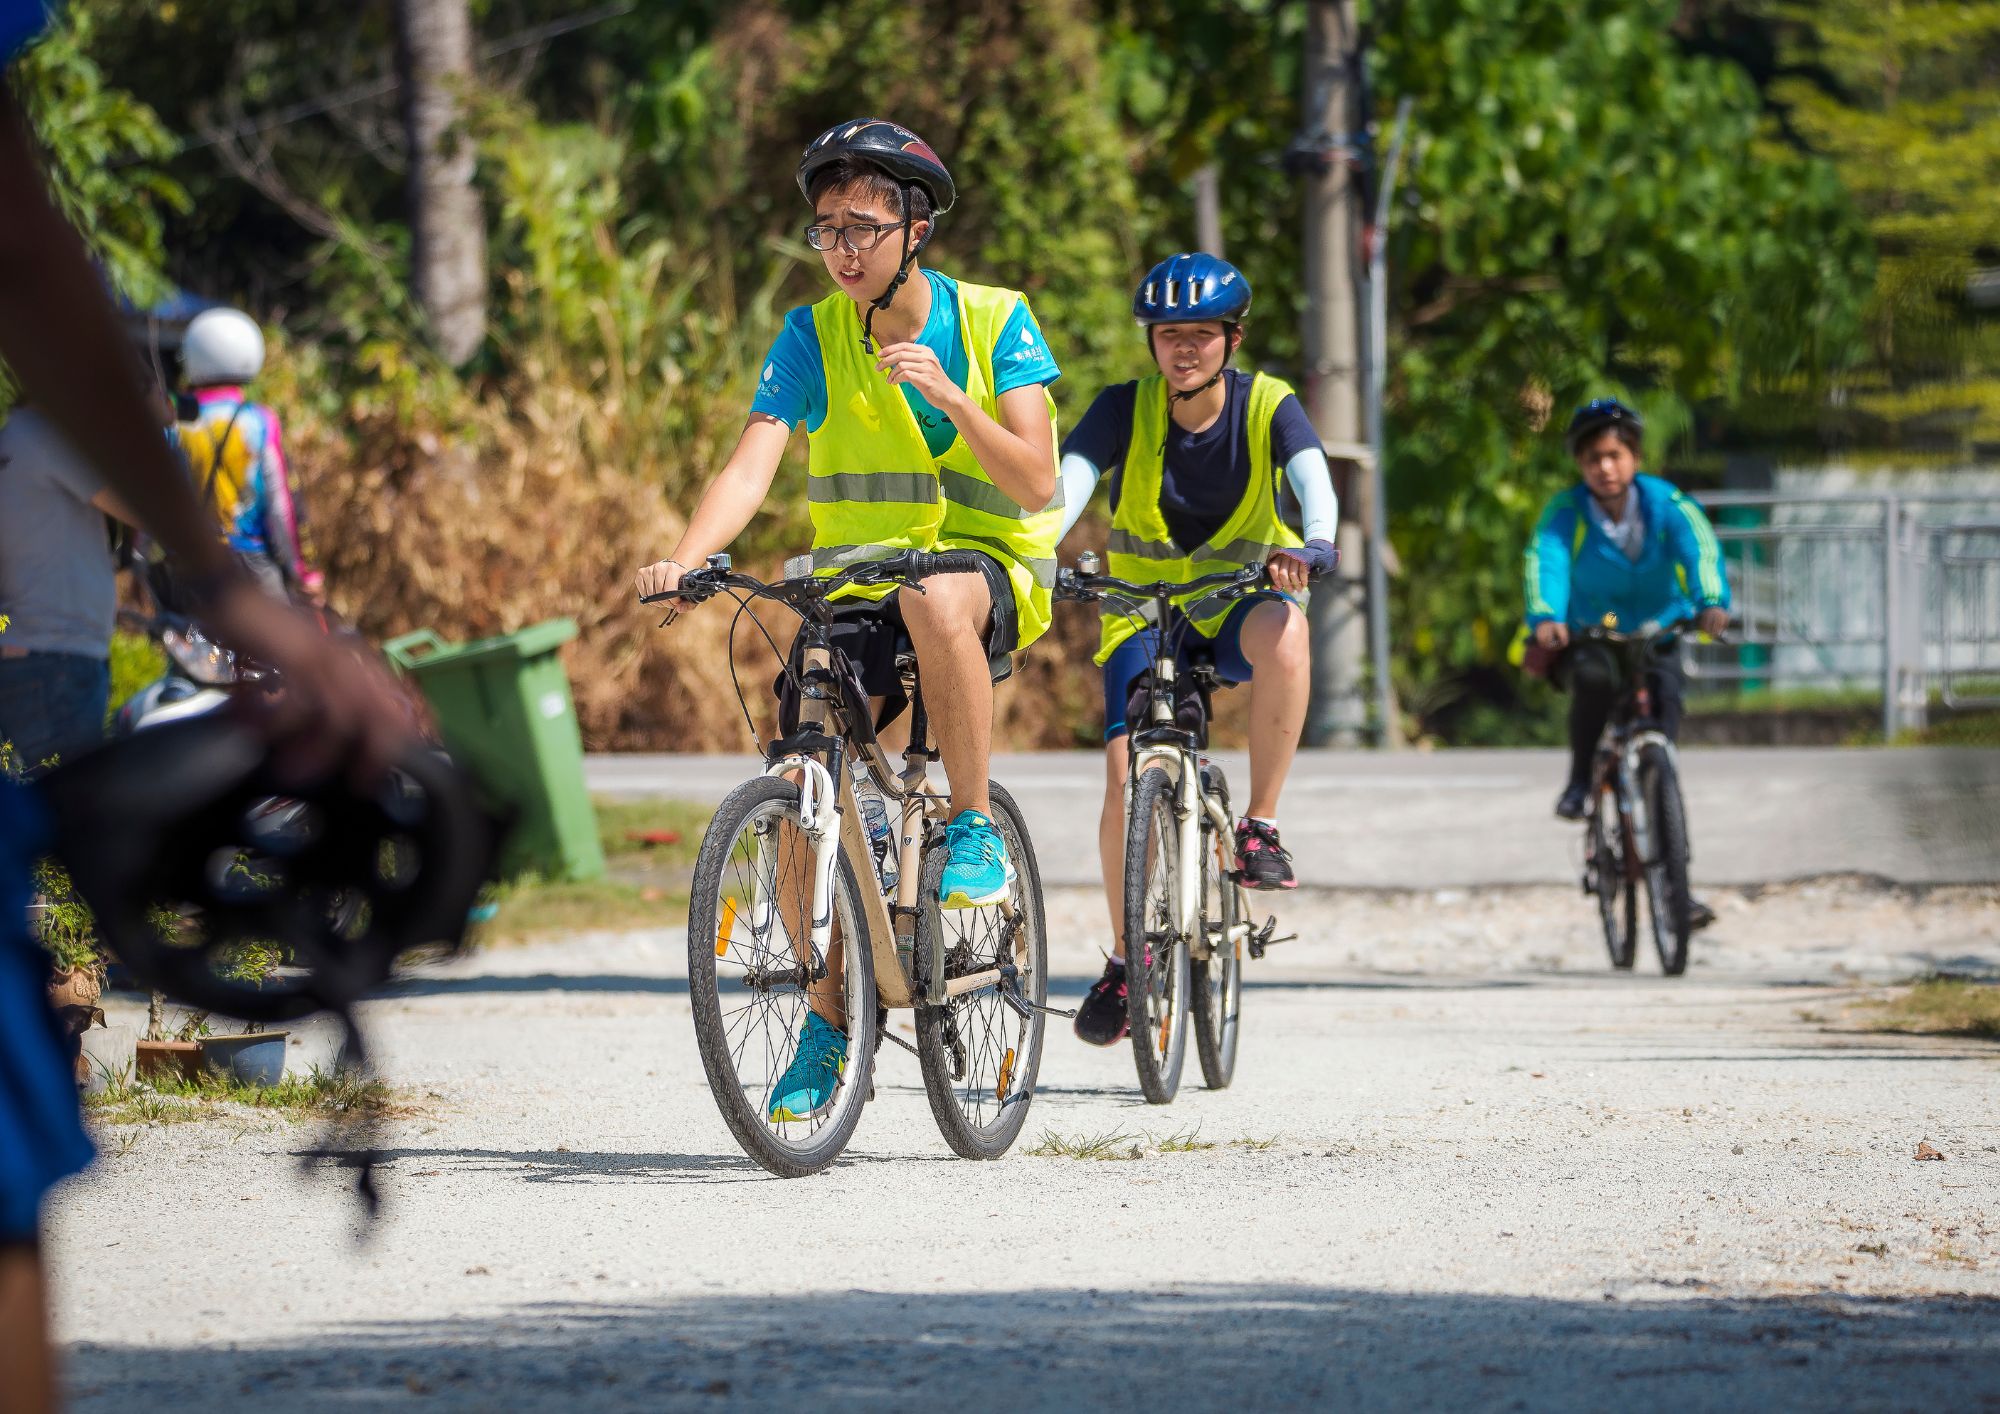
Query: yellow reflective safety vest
point(1142, 548)
point(874, 488)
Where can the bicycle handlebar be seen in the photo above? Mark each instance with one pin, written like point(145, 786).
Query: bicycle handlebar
point(904, 567)
point(1078, 587)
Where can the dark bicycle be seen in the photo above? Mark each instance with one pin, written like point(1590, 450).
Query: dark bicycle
point(1185, 911)
point(1635, 826)
point(793, 907)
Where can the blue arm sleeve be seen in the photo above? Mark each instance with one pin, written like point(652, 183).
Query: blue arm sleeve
point(1698, 552)
point(1311, 481)
point(791, 386)
point(1545, 571)
point(1079, 482)
point(1022, 355)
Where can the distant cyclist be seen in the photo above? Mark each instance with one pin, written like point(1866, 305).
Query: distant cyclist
point(1195, 453)
point(1622, 543)
point(236, 451)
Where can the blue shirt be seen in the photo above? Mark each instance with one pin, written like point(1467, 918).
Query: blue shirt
point(792, 384)
point(1206, 472)
point(1575, 572)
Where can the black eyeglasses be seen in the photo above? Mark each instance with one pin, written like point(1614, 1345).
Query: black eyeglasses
point(863, 235)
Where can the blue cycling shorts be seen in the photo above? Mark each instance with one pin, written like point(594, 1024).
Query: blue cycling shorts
point(1135, 655)
point(41, 1128)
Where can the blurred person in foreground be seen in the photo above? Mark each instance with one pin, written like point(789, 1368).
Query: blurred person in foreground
point(60, 339)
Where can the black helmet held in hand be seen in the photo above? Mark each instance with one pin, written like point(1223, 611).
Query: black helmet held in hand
point(904, 156)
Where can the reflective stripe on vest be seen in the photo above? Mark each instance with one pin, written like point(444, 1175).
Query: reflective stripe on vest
point(873, 486)
point(1141, 547)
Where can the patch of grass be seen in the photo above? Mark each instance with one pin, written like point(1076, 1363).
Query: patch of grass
point(1942, 1006)
point(644, 885)
point(1115, 1145)
point(1187, 1141)
point(178, 1101)
point(1256, 1146)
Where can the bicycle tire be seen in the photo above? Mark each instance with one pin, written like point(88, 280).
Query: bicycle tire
point(1607, 868)
point(740, 1082)
point(975, 1044)
point(1217, 991)
point(1157, 981)
point(1667, 897)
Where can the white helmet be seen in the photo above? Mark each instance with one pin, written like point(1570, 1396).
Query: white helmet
point(221, 346)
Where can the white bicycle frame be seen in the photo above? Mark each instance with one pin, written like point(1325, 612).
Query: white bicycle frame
point(1190, 803)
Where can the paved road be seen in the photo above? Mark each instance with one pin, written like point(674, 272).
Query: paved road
point(1463, 1168)
point(1469, 818)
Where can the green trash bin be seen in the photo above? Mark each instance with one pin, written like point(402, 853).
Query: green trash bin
point(503, 707)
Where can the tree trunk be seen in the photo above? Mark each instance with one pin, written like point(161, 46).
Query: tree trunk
point(447, 228)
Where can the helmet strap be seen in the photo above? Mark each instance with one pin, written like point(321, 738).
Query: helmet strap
point(1228, 347)
point(903, 262)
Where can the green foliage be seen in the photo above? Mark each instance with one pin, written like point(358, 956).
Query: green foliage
point(1902, 99)
point(104, 151)
point(135, 661)
point(68, 931)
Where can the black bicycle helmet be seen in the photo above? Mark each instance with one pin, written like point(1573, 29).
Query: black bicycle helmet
point(1597, 416)
point(185, 844)
point(894, 148)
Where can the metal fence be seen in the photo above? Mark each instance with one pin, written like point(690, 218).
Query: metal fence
point(1898, 593)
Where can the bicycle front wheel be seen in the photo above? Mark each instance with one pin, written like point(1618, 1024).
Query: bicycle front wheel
point(1218, 976)
point(982, 1049)
point(754, 980)
point(1608, 880)
point(1667, 897)
point(1157, 981)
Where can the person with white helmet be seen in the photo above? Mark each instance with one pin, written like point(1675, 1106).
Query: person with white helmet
point(1195, 453)
point(235, 449)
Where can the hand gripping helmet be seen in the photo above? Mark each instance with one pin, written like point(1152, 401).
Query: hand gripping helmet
point(221, 346)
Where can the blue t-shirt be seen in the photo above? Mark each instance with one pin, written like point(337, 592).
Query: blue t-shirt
point(1206, 472)
point(792, 386)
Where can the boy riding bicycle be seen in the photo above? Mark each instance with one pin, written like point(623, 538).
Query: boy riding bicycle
point(1194, 453)
point(930, 426)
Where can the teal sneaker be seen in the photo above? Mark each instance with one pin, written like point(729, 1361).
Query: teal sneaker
point(977, 872)
point(808, 1083)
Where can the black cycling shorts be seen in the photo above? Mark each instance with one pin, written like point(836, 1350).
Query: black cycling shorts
point(872, 636)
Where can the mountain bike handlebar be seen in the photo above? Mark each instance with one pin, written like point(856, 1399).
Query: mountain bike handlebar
point(906, 567)
point(1079, 587)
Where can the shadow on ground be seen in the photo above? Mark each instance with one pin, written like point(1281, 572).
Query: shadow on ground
point(1197, 1347)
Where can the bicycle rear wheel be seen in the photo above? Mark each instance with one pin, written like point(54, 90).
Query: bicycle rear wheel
point(981, 1051)
point(1218, 978)
point(1608, 880)
point(751, 964)
point(1157, 980)
point(1667, 896)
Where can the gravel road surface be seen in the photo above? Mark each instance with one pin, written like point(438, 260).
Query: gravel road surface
point(1463, 1167)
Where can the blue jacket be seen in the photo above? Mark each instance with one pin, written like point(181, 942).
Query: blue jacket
point(1576, 574)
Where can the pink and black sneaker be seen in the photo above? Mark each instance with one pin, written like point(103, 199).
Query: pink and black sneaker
point(1102, 1019)
point(1261, 862)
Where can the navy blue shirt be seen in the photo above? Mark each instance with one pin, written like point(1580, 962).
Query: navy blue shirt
point(1207, 472)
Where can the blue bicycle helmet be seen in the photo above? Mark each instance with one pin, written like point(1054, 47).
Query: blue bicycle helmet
point(1600, 415)
point(1194, 288)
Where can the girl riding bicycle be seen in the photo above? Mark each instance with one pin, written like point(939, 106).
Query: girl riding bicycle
point(1195, 452)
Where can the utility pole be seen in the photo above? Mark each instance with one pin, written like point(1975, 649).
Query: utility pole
point(1208, 211)
point(1324, 155)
